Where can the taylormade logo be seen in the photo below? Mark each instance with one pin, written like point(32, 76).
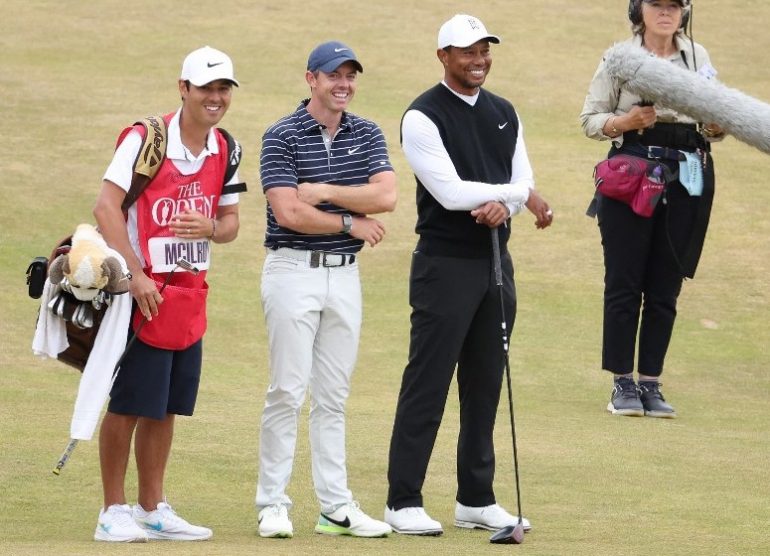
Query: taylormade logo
point(154, 148)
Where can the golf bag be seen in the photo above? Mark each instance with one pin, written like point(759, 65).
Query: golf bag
point(82, 318)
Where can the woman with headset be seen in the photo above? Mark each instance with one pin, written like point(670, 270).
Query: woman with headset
point(647, 258)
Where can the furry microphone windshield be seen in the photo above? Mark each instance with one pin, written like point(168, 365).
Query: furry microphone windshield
point(687, 92)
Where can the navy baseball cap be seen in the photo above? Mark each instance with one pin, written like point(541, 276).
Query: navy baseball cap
point(328, 56)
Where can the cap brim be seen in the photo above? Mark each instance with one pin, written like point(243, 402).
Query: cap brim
point(204, 83)
point(334, 63)
point(491, 38)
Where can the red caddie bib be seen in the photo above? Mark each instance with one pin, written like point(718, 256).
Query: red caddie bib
point(181, 319)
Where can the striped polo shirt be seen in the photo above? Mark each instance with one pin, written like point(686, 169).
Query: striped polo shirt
point(293, 151)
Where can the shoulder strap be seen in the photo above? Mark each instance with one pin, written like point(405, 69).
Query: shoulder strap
point(233, 161)
point(149, 158)
point(233, 155)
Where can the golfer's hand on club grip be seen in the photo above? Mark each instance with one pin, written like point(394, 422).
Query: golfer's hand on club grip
point(368, 229)
point(146, 294)
point(491, 214)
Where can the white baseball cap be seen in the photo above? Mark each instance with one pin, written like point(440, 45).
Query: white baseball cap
point(205, 65)
point(463, 30)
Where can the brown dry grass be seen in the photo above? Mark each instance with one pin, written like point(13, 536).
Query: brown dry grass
point(74, 73)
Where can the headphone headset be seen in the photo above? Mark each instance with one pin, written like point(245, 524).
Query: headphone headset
point(635, 12)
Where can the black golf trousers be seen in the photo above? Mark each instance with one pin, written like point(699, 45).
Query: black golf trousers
point(643, 274)
point(456, 322)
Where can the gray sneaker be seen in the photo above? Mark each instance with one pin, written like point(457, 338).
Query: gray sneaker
point(654, 403)
point(625, 398)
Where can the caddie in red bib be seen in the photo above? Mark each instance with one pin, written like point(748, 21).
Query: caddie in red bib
point(169, 194)
point(181, 321)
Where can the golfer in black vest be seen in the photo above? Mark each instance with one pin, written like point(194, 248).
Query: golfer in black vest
point(466, 149)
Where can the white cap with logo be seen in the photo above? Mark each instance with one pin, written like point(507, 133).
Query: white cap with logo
point(463, 30)
point(207, 64)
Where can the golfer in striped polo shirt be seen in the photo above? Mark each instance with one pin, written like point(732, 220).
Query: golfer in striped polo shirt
point(323, 170)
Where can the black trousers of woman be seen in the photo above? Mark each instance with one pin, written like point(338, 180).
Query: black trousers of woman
point(642, 275)
point(646, 259)
point(455, 323)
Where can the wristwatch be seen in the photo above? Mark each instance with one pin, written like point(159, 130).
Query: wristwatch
point(347, 223)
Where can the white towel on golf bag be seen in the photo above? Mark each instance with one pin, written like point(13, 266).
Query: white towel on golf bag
point(50, 333)
point(51, 339)
point(96, 381)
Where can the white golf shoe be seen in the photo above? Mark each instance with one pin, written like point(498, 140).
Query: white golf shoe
point(163, 523)
point(349, 519)
point(116, 524)
point(274, 522)
point(491, 517)
point(412, 521)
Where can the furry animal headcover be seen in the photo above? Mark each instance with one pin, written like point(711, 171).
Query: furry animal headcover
point(88, 266)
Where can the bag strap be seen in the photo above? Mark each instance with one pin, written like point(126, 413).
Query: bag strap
point(234, 153)
point(151, 154)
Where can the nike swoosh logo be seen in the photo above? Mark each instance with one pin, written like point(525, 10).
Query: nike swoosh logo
point(209, 64)
point(354, 149)
point(345, 523)
point(155, 526)
point(501, 126)
point(339, 49)
point(104, 527)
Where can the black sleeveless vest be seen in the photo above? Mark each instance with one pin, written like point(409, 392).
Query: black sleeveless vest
point(480, 140)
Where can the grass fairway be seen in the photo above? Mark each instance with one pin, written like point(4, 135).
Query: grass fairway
point(74, 73)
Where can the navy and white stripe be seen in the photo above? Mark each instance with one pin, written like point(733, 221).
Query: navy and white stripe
point(293, 152)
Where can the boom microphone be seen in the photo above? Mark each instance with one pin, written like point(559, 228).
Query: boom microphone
point(704, 100)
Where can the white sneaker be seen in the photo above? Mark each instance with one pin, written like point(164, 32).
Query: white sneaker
point(348, 519)
point(162, 523)
point(412, 521)
point(116, 524)
point(491, 518)
point(274, 522)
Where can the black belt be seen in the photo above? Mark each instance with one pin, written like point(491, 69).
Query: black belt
point(664, 134)
point(316, 259)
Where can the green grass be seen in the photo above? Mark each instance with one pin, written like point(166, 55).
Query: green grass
point(74, 73)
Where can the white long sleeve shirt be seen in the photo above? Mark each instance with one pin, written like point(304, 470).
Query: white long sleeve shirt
point(430, 162)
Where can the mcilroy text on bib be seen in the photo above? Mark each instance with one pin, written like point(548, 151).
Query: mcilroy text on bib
point(165, 251)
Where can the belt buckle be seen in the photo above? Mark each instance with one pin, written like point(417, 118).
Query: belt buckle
point(333, 259)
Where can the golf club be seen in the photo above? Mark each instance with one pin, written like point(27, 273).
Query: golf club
point(510, 534)
point(180, 263)
point(65, 456)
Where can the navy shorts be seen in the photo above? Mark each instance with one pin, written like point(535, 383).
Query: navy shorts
point(152, 382)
